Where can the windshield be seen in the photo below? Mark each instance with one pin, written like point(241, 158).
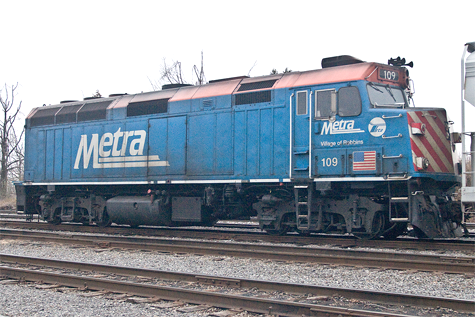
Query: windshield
point(386, 96)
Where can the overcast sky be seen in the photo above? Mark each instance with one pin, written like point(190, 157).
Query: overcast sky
point(63, 50)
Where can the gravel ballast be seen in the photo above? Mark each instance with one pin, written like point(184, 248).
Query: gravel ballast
point(17, 300)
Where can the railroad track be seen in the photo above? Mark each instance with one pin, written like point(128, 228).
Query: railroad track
point(464, 245)
point(321, 255)
point(304, 299)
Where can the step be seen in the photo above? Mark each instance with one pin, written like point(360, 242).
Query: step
point(301, 152)
point(399, 199)
point(399, 220)
point(301, 169)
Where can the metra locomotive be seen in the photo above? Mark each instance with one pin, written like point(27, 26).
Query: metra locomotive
point(334, 150)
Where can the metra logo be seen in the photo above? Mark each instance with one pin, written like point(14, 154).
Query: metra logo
point(340, 127)
point(107, 154)
point(377, 127)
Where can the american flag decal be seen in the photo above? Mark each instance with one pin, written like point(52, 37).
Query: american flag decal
point(364, 161)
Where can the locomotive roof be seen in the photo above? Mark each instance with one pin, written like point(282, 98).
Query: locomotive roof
point(337, 74)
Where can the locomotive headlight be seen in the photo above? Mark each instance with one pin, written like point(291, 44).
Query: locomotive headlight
point(422, 163)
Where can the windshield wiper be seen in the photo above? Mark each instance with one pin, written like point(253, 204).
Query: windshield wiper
point(390, 92)
point(375, 88)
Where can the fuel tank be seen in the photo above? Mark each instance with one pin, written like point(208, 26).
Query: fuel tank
point(137, 210)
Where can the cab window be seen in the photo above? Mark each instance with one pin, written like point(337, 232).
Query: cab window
point(325, 103)
point(346, 102)
point(349, 102)
point(386, 96)
point(302, 103)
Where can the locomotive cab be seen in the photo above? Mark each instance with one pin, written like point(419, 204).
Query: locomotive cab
point(364, 161)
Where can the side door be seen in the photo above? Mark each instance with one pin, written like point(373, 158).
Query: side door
point(301, 147)
point(167, 146)
point(330, 156)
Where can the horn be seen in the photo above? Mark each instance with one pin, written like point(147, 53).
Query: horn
point(399, 62)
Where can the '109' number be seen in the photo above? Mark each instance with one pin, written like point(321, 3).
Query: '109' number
point(330, 161)
point(388, 74)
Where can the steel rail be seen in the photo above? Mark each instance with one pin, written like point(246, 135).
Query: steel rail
point(253, 304)
point(347, 241)
point(365, 295)
point(379, 259)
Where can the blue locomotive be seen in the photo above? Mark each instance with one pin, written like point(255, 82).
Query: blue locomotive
point(334, 150)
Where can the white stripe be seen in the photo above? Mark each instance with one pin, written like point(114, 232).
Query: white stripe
point(129, 158)
point(229, 181)
point(354, 179)
point(132, 164)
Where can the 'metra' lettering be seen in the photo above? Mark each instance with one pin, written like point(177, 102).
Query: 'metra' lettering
point(109, 145)
point(340, 127)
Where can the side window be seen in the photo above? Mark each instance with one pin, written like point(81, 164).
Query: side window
point(302, 102)
point(349, 102)
point(142, 108)
point(325, 103)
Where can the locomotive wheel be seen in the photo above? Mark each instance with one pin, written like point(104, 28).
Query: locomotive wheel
point(106, 222)
point(377, 228)
point(418, 233)
point(303, 233)
point(55, 221)
point(56, 218)
point(396, 230)
point(278, 232)
point(282, 229)
point(378, 225)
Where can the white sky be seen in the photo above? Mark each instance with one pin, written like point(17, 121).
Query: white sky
point(63, 50)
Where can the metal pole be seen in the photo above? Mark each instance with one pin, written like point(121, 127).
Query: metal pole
point(463, 117)
point(472, 156)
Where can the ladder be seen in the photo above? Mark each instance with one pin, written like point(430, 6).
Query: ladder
point(393, 202)
point(303, 206)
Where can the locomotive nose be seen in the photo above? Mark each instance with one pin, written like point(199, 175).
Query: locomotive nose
point(430, 141)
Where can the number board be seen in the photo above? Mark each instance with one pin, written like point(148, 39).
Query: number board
point(388, 74)
point(332, 162)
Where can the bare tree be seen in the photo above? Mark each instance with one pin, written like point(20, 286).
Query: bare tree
point(10, 142)
point(173, 74)
point(275, 71)
point(200, 74)
point(97, 94)
point(169, 74)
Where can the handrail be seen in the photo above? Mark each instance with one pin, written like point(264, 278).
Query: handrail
point(394, 175)
point(310, 116)
point(392, 137)
point(291, 138)
point(392, 117)
point(392, 157)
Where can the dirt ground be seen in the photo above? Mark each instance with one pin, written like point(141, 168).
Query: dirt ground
point(8, 203)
